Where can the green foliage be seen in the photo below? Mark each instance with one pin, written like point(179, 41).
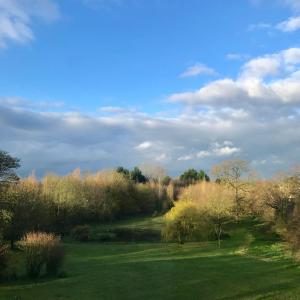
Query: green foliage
point(81, 233)
point(192, 176)
point(137, 176)
point(8, 164)
point(123, 171)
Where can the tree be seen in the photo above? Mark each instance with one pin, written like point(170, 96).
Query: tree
point(123, 171)
point(155, 173)
point(191, 176)
point(219, 207)
point(137, 176)
point(232, 173)
point(214, 204)
point(8, 164)
point(182, 222)
point(202, 176)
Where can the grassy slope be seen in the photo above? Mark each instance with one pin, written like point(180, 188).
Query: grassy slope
point(246, 267)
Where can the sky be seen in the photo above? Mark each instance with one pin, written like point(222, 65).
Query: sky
point(100, 83)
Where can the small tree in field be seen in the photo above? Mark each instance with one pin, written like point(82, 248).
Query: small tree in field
point(219, 207)
point(214, 203)
point(183, 222)
point(232, 173)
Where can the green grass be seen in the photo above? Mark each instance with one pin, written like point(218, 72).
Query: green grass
point(246, 267)
point(154, 223)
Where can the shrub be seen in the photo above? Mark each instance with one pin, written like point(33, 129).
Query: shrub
point(55, 256)
point(3, 259)
point(201, 212)
point(182, 222)
point(81, 233)
point(42, 249)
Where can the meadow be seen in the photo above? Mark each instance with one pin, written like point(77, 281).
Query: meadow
point(252, 264)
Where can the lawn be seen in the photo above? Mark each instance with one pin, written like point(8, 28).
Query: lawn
point(246, 267)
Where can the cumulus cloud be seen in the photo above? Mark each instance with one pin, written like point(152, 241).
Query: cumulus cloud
point(290, 25)
point(254, 116)
point(253, 86)
point(17, 17)
point(144, 146)
point(198, 69)
point(62, 141)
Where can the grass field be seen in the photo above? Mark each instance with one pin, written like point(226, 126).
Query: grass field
point(249, 265)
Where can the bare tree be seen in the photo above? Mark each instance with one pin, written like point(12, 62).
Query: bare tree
point(235, 173)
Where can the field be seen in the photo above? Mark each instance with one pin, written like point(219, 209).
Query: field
point(250, 265)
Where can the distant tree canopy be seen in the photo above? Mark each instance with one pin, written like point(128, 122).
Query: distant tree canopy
point(8, 164)
point(123, 171)
point(135, 175)
point(191, 176)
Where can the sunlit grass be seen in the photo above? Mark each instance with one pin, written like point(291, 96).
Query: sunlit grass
point(245, 267)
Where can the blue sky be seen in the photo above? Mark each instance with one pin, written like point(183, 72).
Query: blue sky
point(98, 83)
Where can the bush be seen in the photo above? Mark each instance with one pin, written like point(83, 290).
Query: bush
point(202, 211)
point(55, 256)
point(183, 222)
point(3, 259)
point(81, 233)
point(42, 249)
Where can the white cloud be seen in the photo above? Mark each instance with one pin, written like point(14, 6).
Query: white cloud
point(255, 116)
point(17, 16)
point(216, 150)
point(203, 153)
point(185, 157)
point(290, 25)
point(144, 146)
point(226, 151)
point(253, 87)
point(198, 69)
point(261, 67)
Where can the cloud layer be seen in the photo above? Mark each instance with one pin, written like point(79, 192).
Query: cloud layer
point(254, 116)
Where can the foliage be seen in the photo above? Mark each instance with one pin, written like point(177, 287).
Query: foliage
point(202, 209)
point(42, 249)
point(55, 256)
point(8, 164)
point(192, 176)
point(3, 259)
point(183, 222)
point(123, 171)
point(235, 174)
point(81, 233)
point(137, 176)
point(59, 203)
